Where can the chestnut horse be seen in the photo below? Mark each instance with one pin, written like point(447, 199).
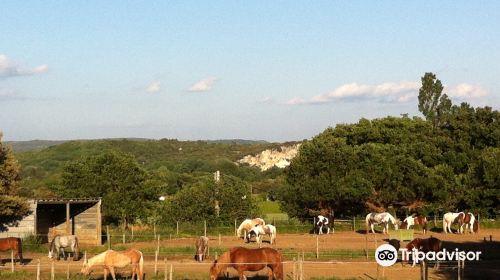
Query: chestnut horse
point(415, 220)
point(247, 225)
point(111, 259)
point(431, 244)
point(13, 244)
point(243, 259)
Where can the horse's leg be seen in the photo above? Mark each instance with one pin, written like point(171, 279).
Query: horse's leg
point(134, 268)
point(372, 227)
point(112, 270)
point(270, 273)
point(105, 273)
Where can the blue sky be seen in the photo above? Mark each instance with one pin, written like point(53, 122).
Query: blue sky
point(271, 70)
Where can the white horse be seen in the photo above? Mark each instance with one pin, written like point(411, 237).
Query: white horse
point(380, 218)
point(259, 232)
point(247, 225)
point(60, 242)
point(450, 218)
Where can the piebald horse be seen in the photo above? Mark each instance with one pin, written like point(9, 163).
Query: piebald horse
point(450, 218)
point(259, 231)
point(60, 242)
point(112, 259)
point(415, 220)
point(247, 225)
point(470, 223)
point(244, 259)
point(13, 244)
point(380, 218)
point(326, 222)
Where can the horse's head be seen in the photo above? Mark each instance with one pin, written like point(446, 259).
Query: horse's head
point(86, 268)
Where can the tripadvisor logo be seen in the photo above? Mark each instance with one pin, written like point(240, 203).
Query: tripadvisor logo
point(387, 255)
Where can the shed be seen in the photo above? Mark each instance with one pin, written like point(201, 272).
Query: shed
point(49, 217)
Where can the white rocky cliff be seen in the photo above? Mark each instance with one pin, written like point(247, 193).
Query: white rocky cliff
point(276, 157)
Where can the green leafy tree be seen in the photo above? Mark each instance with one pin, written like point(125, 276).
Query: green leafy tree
point(431, 102)
point(12, 207)
point(117, 178)
point(196, 202)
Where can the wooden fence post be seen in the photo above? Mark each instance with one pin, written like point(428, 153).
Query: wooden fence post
point(205, 227)
point(38, 269)
point(67, 271)
point(317, 246)
point(52, 270)
point(366, 245)
point(156, 263)
point(294, 271)
point(154, 230)
point(171, 272)
point(123, 239)
point(235, 230)
point(108, 236)
point(219, 239)
point(158, 244)
point(354, 223)
point(12, 260)
point(177, 231)
point(132, 232)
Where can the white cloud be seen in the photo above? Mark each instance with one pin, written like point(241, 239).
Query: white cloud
point(466, 91)
point(402, 92)
point(265, 100)
point(153, 87)
point(7, 94)
point(10, 68)
point(203, 85)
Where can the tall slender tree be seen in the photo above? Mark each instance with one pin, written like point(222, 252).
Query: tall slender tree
point(433, 104)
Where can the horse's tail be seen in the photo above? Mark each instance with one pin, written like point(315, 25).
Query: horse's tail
point(240, 229)
point(279, 268)
point(20, 250)
point(141, 266)
point(76, 249)
point(52, 244)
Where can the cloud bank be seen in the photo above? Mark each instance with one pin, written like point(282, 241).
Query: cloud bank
point(203, 85)
point(10, 68)
point(390, 92)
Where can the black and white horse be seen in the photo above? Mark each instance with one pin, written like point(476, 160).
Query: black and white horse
point(324, 223)
point(260, 230)
point(60, 242)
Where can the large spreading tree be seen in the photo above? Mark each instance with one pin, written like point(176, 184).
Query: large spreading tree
point(12, 207)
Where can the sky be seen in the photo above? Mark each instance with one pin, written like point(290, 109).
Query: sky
point(261, 70)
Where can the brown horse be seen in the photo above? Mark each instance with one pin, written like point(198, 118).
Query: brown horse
point(470, 223)
point(111, 259)
point(430, 244)
point(13, 244)
point(243, 259)
point(415, 220)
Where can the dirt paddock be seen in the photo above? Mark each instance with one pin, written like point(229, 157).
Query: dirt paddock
point(342, 255)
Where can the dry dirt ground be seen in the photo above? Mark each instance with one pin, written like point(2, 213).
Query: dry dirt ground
point(334, 251)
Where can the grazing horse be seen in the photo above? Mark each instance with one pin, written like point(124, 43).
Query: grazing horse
point(431, 244)
point(471, 223)
point(13, 244)
point(243, 259)
point(111, 259)
point(450, 218)
point(247, 225)
point(415, 220)
point(59, 242)
point(201, 248)
point(380, 218)
point(324, 221)
point(259, 231)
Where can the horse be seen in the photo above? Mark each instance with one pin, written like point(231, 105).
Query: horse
point(201, 248)
point(324, 221)
point(243, 259)
point(59, 242)
point(111, 259)
point(415, 220)
point(380, 218)
point(431, 244)
point(450, 218)
point(470, 223)
point(13, 244)
point(247, 225)
point(259, 231)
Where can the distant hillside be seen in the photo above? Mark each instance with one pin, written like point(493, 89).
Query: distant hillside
point(42, 167)
point(22, 146)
